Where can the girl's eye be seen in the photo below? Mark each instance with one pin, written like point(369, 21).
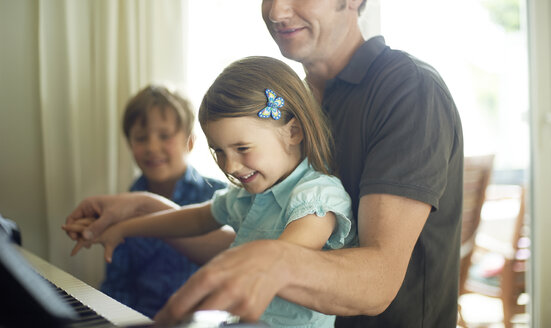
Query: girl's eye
point(242, 149)
point(216, 152)
point(165, 136)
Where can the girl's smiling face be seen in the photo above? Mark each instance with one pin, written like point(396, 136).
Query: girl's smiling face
point(255, 151)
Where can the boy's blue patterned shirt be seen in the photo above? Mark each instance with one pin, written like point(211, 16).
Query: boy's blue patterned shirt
point(146, 271)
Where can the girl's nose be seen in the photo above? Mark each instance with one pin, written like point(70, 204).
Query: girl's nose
point(231, 166)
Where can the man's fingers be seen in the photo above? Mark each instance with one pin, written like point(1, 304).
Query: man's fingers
point(184, 301)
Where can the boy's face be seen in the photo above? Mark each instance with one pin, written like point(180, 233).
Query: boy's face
point(159, 148)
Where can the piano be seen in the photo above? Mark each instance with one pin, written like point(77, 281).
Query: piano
point(35, 293)
point(84, 298)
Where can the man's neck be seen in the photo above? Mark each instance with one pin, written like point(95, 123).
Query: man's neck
point(320, 71)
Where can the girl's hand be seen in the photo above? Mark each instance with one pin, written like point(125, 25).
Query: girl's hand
point(111, 209)
point(110, 238)
point(75, 229)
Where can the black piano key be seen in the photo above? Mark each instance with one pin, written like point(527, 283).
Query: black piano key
point(87, 316)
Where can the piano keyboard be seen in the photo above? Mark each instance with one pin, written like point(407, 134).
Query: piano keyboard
point(86, 316)
point(95, 309)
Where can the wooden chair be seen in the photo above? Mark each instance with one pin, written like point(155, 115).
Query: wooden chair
point(506, 278)
point(476, 177)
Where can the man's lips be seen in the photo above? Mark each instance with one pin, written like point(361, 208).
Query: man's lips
point(288, 32)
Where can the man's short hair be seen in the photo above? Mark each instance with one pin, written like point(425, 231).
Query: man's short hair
point(361, 7)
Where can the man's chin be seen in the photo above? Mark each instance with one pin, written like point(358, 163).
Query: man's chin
point(290, 54)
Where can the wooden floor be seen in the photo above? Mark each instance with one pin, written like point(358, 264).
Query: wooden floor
point(486, 312)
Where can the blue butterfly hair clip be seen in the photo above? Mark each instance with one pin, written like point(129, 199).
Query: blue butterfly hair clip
point(273, 106)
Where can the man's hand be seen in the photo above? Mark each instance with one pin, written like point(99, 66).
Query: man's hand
point(242, 280)
point(110, 209)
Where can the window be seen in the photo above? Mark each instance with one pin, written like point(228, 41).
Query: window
point(220, 32)
point(478, 46)
point(480, 49)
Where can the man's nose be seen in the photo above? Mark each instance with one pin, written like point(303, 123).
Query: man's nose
point(280, 10)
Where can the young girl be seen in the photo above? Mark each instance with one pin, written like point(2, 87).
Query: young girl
point(270, 138)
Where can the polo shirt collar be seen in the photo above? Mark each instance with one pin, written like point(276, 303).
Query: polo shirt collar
point(361, 61)
point(190, 176)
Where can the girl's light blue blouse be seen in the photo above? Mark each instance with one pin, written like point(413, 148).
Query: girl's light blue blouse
point(265, 216)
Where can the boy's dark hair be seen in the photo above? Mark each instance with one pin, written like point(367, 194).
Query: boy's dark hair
point(157, 97)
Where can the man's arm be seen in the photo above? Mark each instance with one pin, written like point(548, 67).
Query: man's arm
point(352, 281)
point(366, 279)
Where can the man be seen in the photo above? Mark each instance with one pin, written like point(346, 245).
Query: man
point(400, 154)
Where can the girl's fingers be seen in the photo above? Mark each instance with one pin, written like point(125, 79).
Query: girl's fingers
point(78, 246)
point(108, 254)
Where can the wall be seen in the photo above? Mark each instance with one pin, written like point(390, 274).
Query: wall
point(22, 196)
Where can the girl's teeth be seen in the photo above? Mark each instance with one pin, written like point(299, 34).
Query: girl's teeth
point(248, 175)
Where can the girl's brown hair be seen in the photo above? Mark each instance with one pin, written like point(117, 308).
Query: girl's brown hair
point(156, 96)
point(240, 91)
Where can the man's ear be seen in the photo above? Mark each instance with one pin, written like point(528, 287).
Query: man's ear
point(294, 130)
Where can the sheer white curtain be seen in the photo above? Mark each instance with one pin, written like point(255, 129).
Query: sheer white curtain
point(94, 54)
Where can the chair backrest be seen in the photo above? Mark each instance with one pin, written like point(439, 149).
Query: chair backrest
point(476, 176)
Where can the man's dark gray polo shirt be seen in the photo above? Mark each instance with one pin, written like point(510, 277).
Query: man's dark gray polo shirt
point(398, 132)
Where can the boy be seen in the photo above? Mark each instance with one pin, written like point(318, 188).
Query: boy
point(158, 126)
